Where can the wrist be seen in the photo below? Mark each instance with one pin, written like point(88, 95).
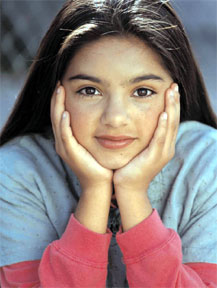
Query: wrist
point(128, 190)
point(95, 186)
point(134, 208)
point(93, 208)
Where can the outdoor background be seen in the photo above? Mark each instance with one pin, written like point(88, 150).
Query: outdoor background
point(23, 24)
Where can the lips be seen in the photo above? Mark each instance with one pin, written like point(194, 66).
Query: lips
point(114, 142)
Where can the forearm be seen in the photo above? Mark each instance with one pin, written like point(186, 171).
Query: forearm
point(152, 254)
point(93, 208)
point(78, 259)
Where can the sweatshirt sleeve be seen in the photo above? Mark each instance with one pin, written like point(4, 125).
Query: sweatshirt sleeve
point(153, 257)
point(78, 259)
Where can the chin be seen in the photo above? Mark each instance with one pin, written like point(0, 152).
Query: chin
point(112, 164)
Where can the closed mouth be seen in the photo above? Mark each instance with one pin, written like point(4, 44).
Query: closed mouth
point(115, 142)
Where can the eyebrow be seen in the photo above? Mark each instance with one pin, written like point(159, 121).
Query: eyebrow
point(146, 77)
point(132, 81)
point(84, 77)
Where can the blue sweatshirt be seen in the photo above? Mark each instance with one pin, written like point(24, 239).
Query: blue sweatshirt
point(38, 193)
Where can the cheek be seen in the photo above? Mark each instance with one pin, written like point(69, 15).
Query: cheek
point(82, 122)
point(79, 124)
point(76, 116)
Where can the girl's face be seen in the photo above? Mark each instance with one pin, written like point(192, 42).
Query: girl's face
point(115, 91)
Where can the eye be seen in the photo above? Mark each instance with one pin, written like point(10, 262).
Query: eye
point(89, 91)
point(143, 93)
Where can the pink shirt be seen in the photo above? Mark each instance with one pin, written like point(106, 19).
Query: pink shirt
point(152, 254)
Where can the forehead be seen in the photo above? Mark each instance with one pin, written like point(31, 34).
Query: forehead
point(119, 55)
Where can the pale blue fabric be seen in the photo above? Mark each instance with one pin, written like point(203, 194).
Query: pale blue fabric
point(38, 192)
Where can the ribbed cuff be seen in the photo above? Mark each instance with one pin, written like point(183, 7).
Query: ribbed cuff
point(144, 237)
point(84, 243)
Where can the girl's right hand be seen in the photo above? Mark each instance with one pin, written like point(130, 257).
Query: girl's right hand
point(89, 172)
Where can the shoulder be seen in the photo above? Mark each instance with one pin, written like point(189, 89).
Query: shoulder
point(191, 174)
point(26, 145)
point(195, 187)
point(25, 198)
point(26, 159)
point(196, 164)
point(25, 152)
point(196, 143)
point(196, 134)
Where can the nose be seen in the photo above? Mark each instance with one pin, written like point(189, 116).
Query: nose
point(115, 113)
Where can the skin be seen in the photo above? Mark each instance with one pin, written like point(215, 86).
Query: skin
point(147, 110)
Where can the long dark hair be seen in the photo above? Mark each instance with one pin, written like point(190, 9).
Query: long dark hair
point(81, 21)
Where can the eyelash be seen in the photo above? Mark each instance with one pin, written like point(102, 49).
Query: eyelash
point(146, 89)
point(91, 95)
point(84, 94)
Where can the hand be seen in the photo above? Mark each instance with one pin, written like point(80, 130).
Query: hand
point(87, 169)
point(139, 172)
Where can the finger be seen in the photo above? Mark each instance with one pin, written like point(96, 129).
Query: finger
point(172, 109)
point(177, 112)
point(53, 99)
point(159, 138)
point(71, 148)
point(68, 140)
point(58, 109)
point(65, 128)
point(52, 104)
point(177, 99)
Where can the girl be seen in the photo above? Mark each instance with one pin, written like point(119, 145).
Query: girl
point(100, 185)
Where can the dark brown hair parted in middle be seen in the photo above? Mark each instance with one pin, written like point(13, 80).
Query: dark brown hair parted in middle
point(82, 21)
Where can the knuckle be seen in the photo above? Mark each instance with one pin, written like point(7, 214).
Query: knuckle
point(55, 123)
point(173, 125)
point(65, 137)
point(160, 140)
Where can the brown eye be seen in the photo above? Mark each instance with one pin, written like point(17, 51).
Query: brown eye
point(143, 92)
point(89, 91)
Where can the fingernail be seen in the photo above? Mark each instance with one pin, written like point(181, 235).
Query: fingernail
point(59, 90)
point(176, 89)
point(64, 115)
point(172, 94)
point(164, 116)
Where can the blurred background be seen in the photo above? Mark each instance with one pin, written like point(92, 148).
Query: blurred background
point(23, 24)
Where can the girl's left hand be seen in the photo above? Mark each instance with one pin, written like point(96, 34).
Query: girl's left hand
point(136, 176)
